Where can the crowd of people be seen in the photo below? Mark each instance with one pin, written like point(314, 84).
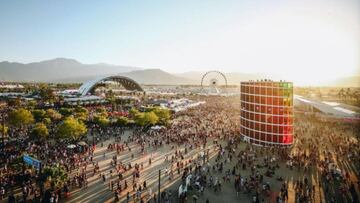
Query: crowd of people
point(200, 155)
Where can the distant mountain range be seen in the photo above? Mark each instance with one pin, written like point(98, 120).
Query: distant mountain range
point(63, 70)
point(353, 81)
point(157, 76)
point(232, 78)
point(56, 70)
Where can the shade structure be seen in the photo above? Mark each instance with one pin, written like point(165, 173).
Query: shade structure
point(82, 143)
point(71, 146)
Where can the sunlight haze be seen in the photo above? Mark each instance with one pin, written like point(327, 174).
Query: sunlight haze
point(296, 40)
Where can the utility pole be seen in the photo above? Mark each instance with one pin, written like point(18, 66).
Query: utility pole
point(159, 188)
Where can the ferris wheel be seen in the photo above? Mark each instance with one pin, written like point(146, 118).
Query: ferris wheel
point(213, 81)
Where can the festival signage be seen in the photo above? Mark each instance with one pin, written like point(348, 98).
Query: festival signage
point(32, 162)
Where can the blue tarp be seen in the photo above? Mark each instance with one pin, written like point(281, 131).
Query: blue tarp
point(32, 162)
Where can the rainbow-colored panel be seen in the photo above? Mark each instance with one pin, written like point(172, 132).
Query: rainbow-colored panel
point(267, 112)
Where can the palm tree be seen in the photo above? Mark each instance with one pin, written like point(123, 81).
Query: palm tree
point(357, 97)
point(341, 93)
point(3, 131)
point(110, 96)
point(348, 94)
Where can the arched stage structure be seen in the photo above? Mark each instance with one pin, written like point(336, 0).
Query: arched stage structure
point(127, 83)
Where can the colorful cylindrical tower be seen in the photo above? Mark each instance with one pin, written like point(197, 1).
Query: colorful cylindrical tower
point(267, 112)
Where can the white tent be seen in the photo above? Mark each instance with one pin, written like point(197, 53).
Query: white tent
point(157, 127)
point(71, 146)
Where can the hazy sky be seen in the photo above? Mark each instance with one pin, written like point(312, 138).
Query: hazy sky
point(299, 40)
